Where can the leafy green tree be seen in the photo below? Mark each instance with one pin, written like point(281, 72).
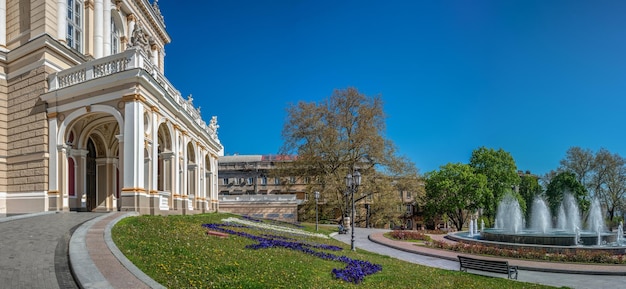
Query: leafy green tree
point(501, 172)
point(455, 190)
point(337, 136)
point(529, 188)
point(566, 182)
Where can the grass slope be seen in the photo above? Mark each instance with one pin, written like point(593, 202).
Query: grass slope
point(176, 252)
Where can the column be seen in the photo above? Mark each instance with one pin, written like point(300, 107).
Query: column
point(116, 188)
point(155, 148)
point(175, 163)
point(120, 167)
point(98, 37)
point(107, 28)
point(53, 166)
point(155, 54)
point(63, 188)
point(81, 184)
point(3, 23)
point(130, 20)
point(61, 20)
point(133, 160)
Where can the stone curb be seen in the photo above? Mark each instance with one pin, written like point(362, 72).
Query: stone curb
point(120, 256)
point(85, 271)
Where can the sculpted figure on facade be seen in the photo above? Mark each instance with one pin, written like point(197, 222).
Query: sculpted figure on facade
point(140, 40)
point(213, 126)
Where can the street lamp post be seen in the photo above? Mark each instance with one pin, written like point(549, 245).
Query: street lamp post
point(353, 182)
point(317, 197)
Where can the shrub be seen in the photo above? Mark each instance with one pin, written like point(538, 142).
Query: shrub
point(409, 235)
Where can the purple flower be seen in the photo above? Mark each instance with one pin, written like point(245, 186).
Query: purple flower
point(354, 271)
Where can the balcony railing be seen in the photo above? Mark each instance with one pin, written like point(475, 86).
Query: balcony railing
point(130, 59)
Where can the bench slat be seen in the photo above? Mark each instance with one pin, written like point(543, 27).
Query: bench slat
point(494, 266)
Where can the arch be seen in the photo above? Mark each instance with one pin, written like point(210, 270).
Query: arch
point(165, 137)
point(79, 113)
point(191, 154)
point(192, 169)
point(164, 157)
point(98, 142)
point(116, 18)
point(118, 29)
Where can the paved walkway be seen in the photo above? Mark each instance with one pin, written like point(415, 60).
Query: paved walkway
point(34, 254)
point(33, 249)
point(534, 272)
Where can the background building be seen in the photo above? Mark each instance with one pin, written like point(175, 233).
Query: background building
point(88, 120)
point(247, 186)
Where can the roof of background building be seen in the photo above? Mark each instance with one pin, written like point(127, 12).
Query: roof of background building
point(254, 158)
point(240, 159)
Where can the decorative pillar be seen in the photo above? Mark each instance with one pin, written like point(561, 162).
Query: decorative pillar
point(130, 19)
point(214, 189)
point(3, 23)
point(176, 173)
point(64, 203)
point(81, 184)
point(133, 160)
point(154, 131)
point(184, 173)
point(98, 28)
point(116, 181)
point(155, 54)
point(107, 28)
point(120, 170)
point(53, 162)
point(61, 20)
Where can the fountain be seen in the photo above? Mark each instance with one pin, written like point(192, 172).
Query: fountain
point(620, 232)
point(510, 229)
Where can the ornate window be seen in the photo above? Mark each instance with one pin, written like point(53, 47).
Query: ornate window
point(115, 38)
point(75, 24)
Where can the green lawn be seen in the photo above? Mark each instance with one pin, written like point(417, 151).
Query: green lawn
point(176, 252)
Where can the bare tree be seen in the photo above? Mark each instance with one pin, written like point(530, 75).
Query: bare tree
point(580, 162)
point(611, 186)
point(339, 135)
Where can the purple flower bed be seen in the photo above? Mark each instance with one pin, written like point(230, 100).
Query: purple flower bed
point(354, 271)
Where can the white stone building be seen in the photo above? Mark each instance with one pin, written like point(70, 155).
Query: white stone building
point(87, 119)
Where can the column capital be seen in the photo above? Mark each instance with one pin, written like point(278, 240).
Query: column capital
point(79, 153)
point(167, 155)
point(131, 17)
point(133, 97)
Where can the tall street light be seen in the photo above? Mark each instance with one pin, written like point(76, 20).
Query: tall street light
point(317, 197)
point(353, 182)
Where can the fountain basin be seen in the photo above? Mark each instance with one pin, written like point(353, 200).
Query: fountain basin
point(555, 238)
point(611, 247)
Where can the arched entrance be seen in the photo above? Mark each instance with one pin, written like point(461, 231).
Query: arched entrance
point(90, 176)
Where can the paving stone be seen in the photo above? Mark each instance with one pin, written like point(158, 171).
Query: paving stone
point(30, 256)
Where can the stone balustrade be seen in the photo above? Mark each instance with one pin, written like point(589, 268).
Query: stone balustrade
point(130, 59)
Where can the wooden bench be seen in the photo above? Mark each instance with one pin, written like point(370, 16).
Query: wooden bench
point(494, 266)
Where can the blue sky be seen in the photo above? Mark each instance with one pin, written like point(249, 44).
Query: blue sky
point(531, 77)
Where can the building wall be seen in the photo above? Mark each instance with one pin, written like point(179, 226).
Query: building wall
point(27, 135)
point(287, 212)
point(34, 153)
